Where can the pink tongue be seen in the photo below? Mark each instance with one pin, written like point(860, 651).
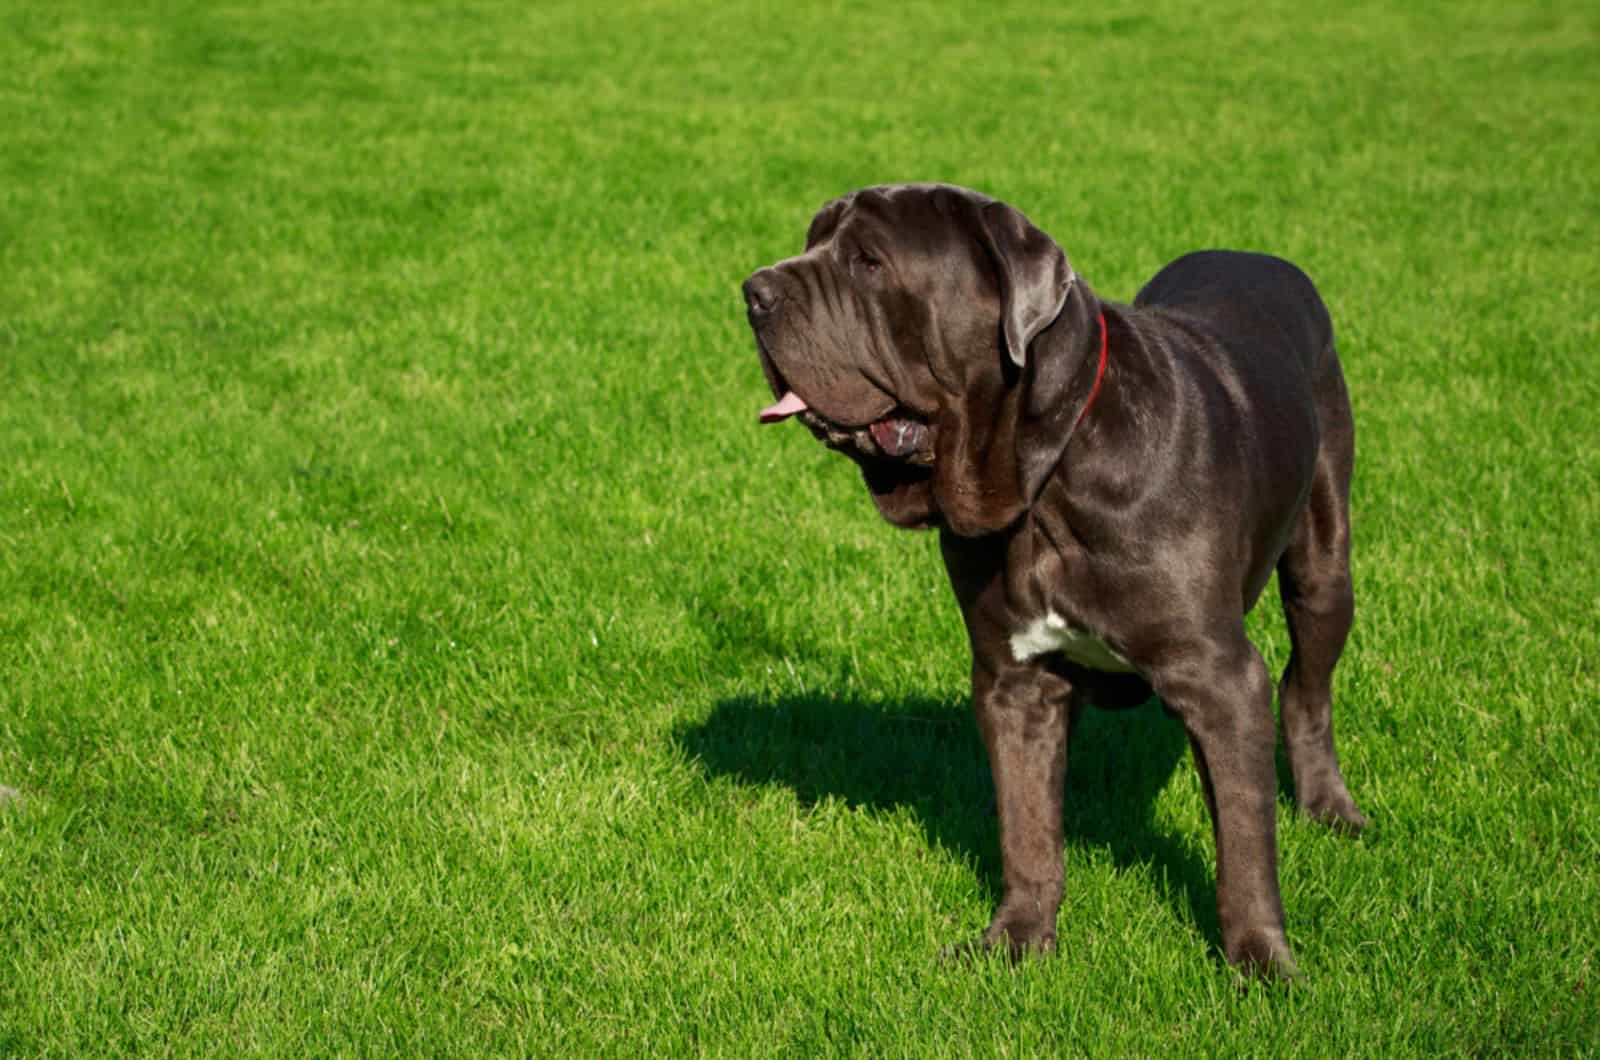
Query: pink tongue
point(786, 406)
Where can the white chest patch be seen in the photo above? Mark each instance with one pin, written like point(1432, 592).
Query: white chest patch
point(1052, 633)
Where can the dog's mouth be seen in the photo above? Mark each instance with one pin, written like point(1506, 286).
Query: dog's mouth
point(895, 451)
point(902, 436)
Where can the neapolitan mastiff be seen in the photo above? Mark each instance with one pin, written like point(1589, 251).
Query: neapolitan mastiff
point(1113, 485)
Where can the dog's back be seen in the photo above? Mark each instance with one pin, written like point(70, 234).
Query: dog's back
point(1241, 297)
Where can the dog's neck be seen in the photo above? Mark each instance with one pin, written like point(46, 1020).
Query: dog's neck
point(1100, 369)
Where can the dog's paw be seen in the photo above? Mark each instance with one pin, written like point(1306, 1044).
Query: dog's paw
point(1266, 958)
point(1337, 810)
point(1016, 944)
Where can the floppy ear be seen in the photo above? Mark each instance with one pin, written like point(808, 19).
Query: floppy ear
point(1034, 275)
point(1001, 441)
point(1055, 388)
point(826, 220)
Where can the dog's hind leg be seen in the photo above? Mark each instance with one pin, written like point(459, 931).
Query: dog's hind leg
point(1319, 603)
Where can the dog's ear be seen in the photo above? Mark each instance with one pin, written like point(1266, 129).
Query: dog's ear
point(1055, 388)
point(1034, 275)
point(826, 221)
point(1005, 435)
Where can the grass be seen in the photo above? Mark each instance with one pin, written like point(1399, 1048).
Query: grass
point(408, 642)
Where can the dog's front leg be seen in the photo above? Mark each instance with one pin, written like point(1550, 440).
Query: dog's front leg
point(1221, 690)
point(1023, 714)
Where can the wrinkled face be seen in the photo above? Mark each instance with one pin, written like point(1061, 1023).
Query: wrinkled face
point(874, 336)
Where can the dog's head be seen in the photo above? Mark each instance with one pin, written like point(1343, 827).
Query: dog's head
point(938, 339)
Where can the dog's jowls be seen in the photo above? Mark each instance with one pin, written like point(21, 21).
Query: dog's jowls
point(1112, 484)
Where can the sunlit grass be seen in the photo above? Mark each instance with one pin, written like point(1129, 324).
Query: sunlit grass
point(408, 642)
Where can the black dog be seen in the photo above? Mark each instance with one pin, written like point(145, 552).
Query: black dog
point(1113, 486)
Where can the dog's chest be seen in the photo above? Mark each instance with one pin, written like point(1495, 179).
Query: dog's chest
point(1052, 633)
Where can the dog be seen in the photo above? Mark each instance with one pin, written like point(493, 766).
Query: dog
point(1113, 485)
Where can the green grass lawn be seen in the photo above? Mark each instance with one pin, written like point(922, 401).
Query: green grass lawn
point(409, 644)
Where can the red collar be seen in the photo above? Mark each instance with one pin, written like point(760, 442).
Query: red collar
point(1099, 373)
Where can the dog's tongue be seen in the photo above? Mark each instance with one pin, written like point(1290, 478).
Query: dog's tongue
point(785, 407)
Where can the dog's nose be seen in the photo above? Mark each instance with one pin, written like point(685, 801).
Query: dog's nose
point(761, 292)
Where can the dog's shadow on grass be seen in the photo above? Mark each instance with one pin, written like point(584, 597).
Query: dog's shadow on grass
point(925, 755)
